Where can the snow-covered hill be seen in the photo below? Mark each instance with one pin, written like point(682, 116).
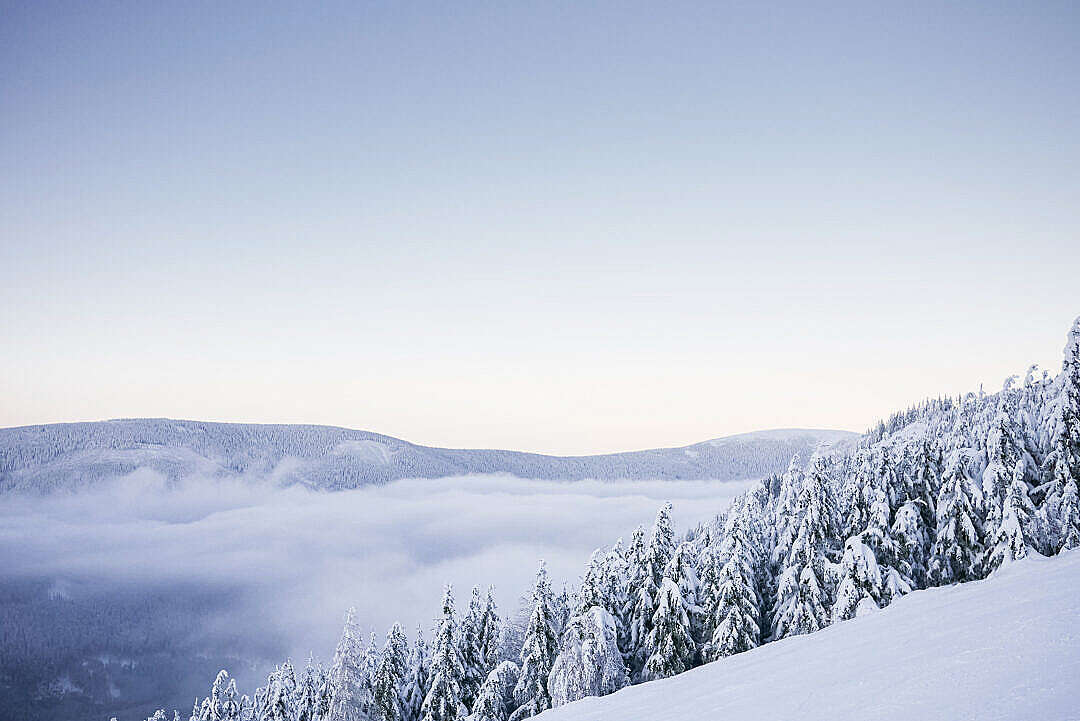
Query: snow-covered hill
point(1007, 647)
point(68, 455)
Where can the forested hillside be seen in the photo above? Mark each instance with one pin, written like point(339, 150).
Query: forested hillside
point(73, 455)
point(949, 491)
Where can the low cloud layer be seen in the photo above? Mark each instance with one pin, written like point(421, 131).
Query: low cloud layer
point(287, 562)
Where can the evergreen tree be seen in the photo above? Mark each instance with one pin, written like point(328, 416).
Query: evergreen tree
point(957, 551)
point(670, 644)
point(390, 676)
point(1011, 537)
point(804, 590)
point(589, 663)
point(307, 695)
point(860, 580)
point(418, 682)
point(495, 701)
point(443, 701)
point(734, 620)
point(346, 673)
point(538, 652)
point(472, 651)
point(489, 632)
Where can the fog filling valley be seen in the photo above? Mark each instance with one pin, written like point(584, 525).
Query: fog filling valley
point(226, 569)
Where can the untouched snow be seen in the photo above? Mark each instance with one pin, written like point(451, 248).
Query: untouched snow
point(1004, 648)
point(65, 456)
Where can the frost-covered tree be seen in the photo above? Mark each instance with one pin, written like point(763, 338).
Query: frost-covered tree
point(958, 548)
point(495, 700)
point(417, 681)
point(307, 695)
point(1011, 539)
point(911, 539)
point(860, 580)
point(389, 679)
point(472, 649)
point(490, 628)
point(681, 569)
point(804, 592)
point(347, 673)
point(734, 617)
point(670, 644)
point(443, 701)
point(538, 652)
point(589, 663)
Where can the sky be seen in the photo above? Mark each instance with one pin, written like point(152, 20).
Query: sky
point(565, 227)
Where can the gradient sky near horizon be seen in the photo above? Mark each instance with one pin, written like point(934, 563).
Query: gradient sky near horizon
point(564, 226)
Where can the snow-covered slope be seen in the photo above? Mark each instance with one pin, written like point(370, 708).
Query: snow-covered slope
point(1007, 647)
point(67, 455)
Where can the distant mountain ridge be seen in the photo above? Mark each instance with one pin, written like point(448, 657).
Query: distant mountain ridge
point(70, 455)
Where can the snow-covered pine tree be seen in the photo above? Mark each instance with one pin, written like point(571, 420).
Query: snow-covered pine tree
point(670, 645)
point(589, 663)
point(681, 569)
point(640, 603)
point(443, 701)
point(346, 673)
point(860, 580)
point(616, 589)
point(1011, 539)
point(472, 652)
point(958, 548)
point(307, 695)
point(1069, 518)
point(418, 680)
point(495, 701)
point(538, 652)
point(911, 539)
point(734, 612)
point(389, 679)
point(785, 522)
point(804, 592)
point(593, 590)
point(490, 631)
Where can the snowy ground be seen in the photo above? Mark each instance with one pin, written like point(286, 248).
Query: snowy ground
point(1004, 648)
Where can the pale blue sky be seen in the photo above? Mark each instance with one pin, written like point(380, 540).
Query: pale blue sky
point(564, 227)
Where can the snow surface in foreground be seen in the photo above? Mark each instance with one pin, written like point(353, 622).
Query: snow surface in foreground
point(1004, 648)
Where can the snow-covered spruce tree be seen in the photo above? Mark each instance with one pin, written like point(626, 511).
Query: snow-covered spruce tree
point(346, 673)
point(1069, 518)
point(281, 695)
point(1061, 466)
point(1011, 540)
point(389, 679)
point(307, 695)
point(443, 701)
point(490, 630)
point(648, 560)
point(804, 592)
point(911, 539)
point(538, 652)
point(734, 611)
point(495, 700)
point(958, 548)
point(640, 604)
point(785, 521)
point(593, 590)
point(417, 681)
point(616, 591)
point(472, 652)
point(860, 580)
point(682, 570)
point(589, 663)
point(670, 644)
